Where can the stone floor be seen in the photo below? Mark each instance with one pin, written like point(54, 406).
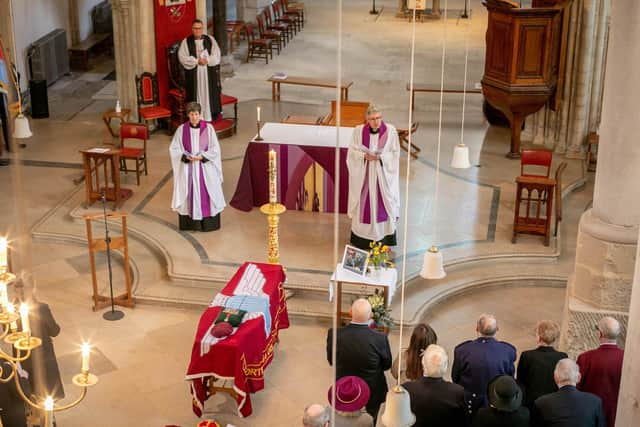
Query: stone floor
point(147, 352)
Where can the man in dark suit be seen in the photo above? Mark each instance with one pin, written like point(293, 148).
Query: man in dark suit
point(434, 401)
point(362, 352)
point(568, 407)
point(476, 362)
point(535, 368)
point(601, 368)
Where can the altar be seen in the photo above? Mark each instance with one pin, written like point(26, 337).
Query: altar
point(306, 168)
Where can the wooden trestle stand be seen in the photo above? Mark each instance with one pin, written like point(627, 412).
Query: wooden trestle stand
point(100, 245)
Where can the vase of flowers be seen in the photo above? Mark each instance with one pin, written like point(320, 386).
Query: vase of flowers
point(381, 317)
point(378, 258)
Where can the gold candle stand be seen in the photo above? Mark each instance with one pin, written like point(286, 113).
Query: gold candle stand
point(273, 212)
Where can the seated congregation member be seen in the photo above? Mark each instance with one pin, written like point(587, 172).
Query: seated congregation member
point(567, 407)
point(352, 394)
point(476, 362)
point(535, 367)
point(505, 405)
point(434, 401)
point(421, 338)
point(601, 368)
point(316, 415)
point(362, 352)
point(197, 174)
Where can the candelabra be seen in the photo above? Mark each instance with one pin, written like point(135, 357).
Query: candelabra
point(23, 343)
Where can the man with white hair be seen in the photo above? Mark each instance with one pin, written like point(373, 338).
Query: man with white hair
point(373, 161)
point(315, 415)
point(477, 362)
point(362, 352)
point(567, 407)
point(602, 368)
point(434, 401)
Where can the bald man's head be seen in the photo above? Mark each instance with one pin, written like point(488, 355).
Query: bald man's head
point(487, 325)
point(609, 329)
point(315, 416)
point(567, 372)
point(361, 311)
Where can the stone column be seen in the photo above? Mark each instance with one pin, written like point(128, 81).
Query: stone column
point(201, 11)
point(74, 25)
point(147, 37)
point(602, 31)
point(607, 235)
point(629, 398)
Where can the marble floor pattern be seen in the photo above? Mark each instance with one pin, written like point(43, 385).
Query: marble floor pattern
point(142, 359)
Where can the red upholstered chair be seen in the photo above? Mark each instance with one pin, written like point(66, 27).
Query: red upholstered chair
point(296, 12)
point(258, 48)
point(280, 16)
point(277, 37)
point(148, 99)
point(541, 158)
point(273, 24)
point(139, 153)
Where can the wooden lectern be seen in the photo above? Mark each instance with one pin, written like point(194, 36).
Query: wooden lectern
point(102, 173)
point(525, 59)
point(100, 245)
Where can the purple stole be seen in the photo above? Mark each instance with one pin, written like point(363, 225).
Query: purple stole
point(365, 202)
point(205, 202)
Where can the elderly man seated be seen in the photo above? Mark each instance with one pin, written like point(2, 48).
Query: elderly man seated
point(316, 415)
point(434, 401)
point(567, 407)
point(477, 362)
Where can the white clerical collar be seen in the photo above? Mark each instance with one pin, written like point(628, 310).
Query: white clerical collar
point(359, 323)
point(609, 343)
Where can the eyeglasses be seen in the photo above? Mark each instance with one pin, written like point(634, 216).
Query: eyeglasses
point(196, 28)
point(375, 118)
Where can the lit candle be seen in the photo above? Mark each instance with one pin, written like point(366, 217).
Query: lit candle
point(3, 253)
point(11, 309)
point(273, 180)
point(86, 352)
point(258, 113)
point(4, 298)
point(24, 317)
point(48, 407)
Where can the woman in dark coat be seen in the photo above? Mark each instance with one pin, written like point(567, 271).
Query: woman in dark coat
point(505, 405)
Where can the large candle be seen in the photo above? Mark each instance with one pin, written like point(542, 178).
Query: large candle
point(24, 317)
point(273, 180)
point(86, 352)
point(48, 407)
point(11, 309)
point(3, 253)
point(258, 110)
point(4, 298)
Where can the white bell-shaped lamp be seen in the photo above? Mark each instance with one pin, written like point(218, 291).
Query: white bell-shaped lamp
point(432, 267)
point(397, 409)
point(460, 158)
point(21, 127)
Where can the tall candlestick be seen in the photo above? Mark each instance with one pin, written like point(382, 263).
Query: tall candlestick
point(24, 317)
point(48, 407)
point(273, 180)
point(11, 309)
point(3, 253)
point(258, 110)
point(86, 352)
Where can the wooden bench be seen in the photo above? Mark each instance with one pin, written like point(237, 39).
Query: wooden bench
point(79, 53)
point(431, 89)
point(304, 81)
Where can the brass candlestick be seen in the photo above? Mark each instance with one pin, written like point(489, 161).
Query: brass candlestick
point(273, 212)
point(258, 138)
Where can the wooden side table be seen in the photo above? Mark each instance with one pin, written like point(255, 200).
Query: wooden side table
point(123, 116)
point(102, 174)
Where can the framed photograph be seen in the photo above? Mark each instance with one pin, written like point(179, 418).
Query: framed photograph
point(355, 260)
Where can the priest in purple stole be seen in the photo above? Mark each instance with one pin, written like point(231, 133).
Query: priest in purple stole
point(373, 161)
point(197, 174)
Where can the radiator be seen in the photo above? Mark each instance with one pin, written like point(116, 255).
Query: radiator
point(48, 57)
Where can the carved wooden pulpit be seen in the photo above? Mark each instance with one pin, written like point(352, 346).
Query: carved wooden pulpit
point(524, 64)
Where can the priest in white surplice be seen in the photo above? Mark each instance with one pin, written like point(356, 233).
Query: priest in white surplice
point(199, 54)
point(373, 160)
point(197, 174)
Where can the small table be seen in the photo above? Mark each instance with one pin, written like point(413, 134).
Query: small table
point(305, 81)
point(123, 116)
point(102, 174)
point(386, 280)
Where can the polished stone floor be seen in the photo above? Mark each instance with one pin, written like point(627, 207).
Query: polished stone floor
point(142, 359)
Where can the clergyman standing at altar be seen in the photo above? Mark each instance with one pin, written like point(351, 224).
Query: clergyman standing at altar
point(373, 161)
point(199, 54)
point(197, 174)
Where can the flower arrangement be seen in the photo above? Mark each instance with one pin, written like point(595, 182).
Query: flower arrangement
point(381, 316)
point(379, 255)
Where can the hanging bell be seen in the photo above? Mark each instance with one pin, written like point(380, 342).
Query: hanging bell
point(397, 409)
point(460, 158)
point(432, 267)
point(21, 127)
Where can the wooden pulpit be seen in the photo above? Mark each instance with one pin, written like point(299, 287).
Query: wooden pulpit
point(524, 63)
point(102, 174)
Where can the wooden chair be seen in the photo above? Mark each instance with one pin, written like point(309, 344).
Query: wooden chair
point(280, 16)
point(276, 37)
point(137, 154)
point(258, 48)
point(297, 12)
point(148, 99)
point(403, 137)
point(541, 158)
point(272, 24)
point(559, 170)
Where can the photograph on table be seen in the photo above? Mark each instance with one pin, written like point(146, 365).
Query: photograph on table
point(355, 260)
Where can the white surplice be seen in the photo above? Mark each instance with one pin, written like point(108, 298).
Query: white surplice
point(190, 62)
point(385, 173)
point(211, 171)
